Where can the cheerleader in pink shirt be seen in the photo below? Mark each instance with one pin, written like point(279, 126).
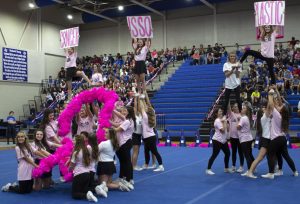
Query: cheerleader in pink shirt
point(219, 141)
point(85, 120)
point(25, 167)
point(245, 136)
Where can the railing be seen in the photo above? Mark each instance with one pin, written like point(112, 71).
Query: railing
point(160, 121)
point(215, 105)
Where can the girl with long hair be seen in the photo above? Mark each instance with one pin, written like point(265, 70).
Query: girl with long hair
point(25, 166)
point(219, 142)
point(106, 167)
point(267, 38)
point(245, 135)
point(141, 48)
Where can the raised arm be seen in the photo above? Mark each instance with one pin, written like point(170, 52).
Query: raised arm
point(148, 43)
point(88, 110)
point(270, 105)
point(134, 43)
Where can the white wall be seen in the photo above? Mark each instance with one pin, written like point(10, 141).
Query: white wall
point(25, 30)
point(235, 23)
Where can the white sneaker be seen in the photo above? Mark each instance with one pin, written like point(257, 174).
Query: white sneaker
point(123, 187)
point(279, 173)
point(126, 183)
point(250, 175)
point(14, 184)
point(297, 93)
point(115, 162)
point(159, 168)
point(100, 191)
point(240, 170)
point(293, 93)
point(62, 179)
point(227, 170)
point(137, 168)
point(296, 173)
point(5, 188)
point(152, 167)
point(268, 175)
point(90, 197)
point(209, 172)
point(131, 181)
point(244, 174)
point(145, 167)
point(104, 186)
point(233, 169)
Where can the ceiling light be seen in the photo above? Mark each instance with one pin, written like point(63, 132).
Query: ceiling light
point(120, 8)
point(31, 5)
point(70, 17)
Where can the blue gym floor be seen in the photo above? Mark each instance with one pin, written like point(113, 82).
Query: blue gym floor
point(183, 182)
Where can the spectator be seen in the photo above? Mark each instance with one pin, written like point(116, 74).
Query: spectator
point(196, 58)
point(62, 74)
point(298, 108)
point(255, 97)
point(11, 127)
point(295, 84)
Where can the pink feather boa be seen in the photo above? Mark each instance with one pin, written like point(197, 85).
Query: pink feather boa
point(63, 153)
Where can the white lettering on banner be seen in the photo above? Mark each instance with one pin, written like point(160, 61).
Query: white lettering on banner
point(269, 13)
point(69, 37)
point(140, 26)
point(14, 64)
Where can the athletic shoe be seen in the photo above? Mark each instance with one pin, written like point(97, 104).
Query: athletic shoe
point(240, 170)
point(6, 187)
point(250, 175)
point(209, 172)
point(14, 184)
point(138, 168)
point(100, 191)
point(126, 183)
point(233, 169)
point(279, 173)
point(131, 181)
point(152, 167)
point(296, 173)
point(244, 174)
point(104, 186)
point(227, 170)
point(268, 176)
point(62, 179)
point(297, 93)
point(293, 93)
point(159, 168)
point(123, 187)
point(90, 197)
point(115, 162)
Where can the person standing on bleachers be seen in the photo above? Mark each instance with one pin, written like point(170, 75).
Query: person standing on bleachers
point(232, 81)
point(11, 127)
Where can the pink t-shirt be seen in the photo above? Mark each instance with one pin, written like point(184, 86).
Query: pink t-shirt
point(142, 55)
point(85, 124)
point(219, 136)
point(276, 124)
point(147, 131)
point(267, 46)
point(35, 148)
point(233, 122)
point(128, 128)
point(51, 130)
point(93, 162)
point(80, 168)
point(24, 168)
point(245, 131)
point(70, 60)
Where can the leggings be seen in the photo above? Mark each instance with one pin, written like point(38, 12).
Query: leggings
point(217, 146)
point(237, 98)
point(150, 145)
point(278, 145)
point(80, 186)
point(270, 62)
point(24, 187)
point(236, 146)
point(126, 169)
point(11, 133)
point(247, 150)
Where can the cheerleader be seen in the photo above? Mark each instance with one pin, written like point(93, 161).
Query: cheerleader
point(85, 120)
point(245, 136)
point(219, 142)
point(279, 127)
point(141, 48)
point(25, 167)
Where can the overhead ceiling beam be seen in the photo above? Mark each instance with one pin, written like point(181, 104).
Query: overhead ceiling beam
point(89, 11)
point(148, 8)
point(205, 2)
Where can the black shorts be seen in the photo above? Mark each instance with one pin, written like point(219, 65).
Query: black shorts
point(71, 72)
point(106, 168)
point(140, 67)
point(136, 139)
point(44, 175)
point(263, 142)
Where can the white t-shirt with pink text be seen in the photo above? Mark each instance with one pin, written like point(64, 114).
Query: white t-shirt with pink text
point(219, 136)
point(268, 45)
point(70, 60)
point(85, 124)
point(24, 168)
point(245, 131)
point(142, 55)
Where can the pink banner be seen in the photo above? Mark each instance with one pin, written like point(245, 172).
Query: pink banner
point(69, 37)
point(140, 26)
point(269, 13)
